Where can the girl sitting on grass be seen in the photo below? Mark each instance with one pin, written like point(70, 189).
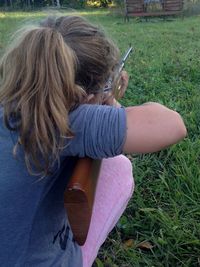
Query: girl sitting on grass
point(53, 109)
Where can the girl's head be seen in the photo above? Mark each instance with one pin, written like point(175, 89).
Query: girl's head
point(96, 53)
point(49, 70)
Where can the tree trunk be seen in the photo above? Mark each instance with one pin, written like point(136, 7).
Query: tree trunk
point(58, 3)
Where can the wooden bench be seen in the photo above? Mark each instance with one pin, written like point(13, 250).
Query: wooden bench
point(138, 8)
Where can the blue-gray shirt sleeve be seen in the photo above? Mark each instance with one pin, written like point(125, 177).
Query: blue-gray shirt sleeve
point(100, 131)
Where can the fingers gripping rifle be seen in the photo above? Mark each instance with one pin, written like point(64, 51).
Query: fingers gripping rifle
point(112, 85)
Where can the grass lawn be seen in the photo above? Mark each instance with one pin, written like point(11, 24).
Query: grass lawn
point(161, 226)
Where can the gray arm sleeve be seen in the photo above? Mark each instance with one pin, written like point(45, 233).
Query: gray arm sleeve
point(100, 131)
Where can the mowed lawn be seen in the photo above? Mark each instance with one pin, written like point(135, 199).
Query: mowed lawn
point(161, 226)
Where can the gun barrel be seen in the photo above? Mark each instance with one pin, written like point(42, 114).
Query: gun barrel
point(127, 54)
point(108, 85)
point(125, 58)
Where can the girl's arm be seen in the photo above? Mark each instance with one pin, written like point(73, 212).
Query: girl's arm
point(152, 127)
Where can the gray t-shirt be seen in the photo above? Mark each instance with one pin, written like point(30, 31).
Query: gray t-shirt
point(34, 228)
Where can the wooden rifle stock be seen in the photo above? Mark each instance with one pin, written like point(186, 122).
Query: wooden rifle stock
point(79, 197)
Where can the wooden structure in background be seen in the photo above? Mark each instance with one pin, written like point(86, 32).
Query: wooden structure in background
point(142, 8)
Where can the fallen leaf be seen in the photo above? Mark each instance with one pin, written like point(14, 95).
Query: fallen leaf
point(129, 243)
point(145, 245)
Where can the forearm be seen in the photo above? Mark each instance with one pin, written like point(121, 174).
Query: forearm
point(152, 127)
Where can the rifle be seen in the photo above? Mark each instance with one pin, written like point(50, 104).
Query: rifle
point(113, 84)
point(80, 192)
point(79, 196)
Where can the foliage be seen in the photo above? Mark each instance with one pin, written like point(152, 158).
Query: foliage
point(164, 213)
point(10, 5)
point(99, 3)
point(191, 7)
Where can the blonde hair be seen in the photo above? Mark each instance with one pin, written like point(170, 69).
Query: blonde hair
point(42, 78)
point(96, 53)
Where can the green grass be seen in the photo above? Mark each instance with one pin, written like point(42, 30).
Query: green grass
point(165, 209)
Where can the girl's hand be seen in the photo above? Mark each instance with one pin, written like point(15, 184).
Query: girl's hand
point(123, 83)
point(110, 97)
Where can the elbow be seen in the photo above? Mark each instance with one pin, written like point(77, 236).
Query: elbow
point(181, 128)
point(184, 132)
